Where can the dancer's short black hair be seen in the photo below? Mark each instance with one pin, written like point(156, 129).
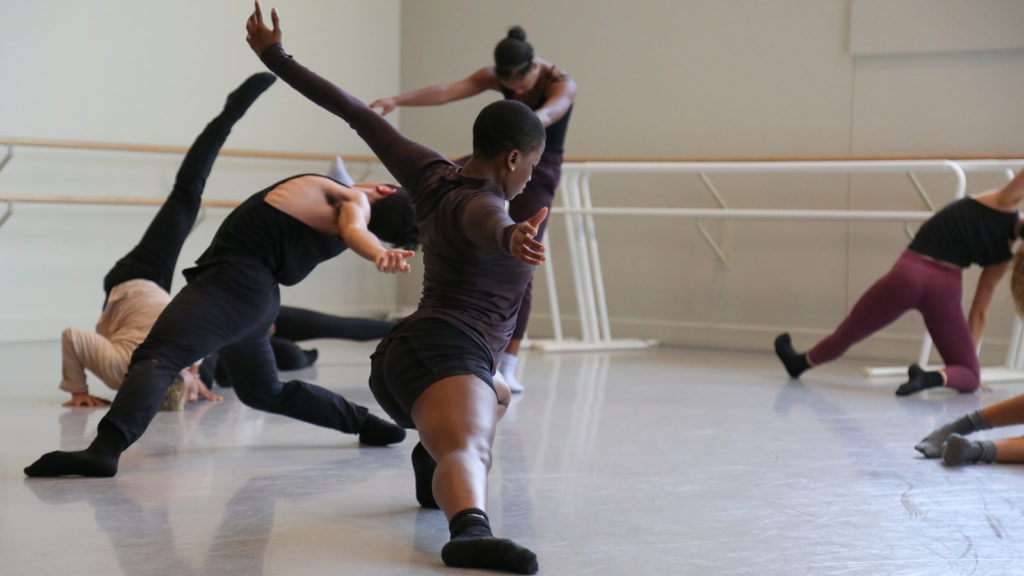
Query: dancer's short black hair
point(506, 125)
point(513, 55)
point(393, 220)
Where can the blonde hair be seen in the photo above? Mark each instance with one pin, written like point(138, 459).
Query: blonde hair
point(1017, 280)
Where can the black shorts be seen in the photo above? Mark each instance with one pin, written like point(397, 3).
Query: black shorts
point(418, 353)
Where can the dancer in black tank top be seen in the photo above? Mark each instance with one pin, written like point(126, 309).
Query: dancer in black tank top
point(277, 236)
point(550, 92)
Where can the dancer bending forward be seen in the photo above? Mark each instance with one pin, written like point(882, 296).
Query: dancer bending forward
point(138, 285)
point(927, 277)
point(277, 236)
point(549, 90)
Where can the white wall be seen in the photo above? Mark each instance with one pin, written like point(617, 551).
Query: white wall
point(155, 73)
point(707, 78)
point(657, 78)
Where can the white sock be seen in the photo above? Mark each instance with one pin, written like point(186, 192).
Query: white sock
point(338, 172)
point(507, 365)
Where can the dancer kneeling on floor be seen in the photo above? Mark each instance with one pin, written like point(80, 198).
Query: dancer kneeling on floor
point(927, 277)
point(138, 285)
point(277, 236)
point(435, 370)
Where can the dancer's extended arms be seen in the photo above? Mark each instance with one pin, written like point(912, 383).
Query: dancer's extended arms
point(404, 158)
point(483, 79)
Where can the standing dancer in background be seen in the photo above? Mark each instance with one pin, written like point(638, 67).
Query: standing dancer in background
point(435, 370)
point(550, 92)
point(927, 277)
point(138, 286)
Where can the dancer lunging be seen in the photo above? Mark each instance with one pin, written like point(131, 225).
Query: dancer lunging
point(434, 371)
point(927, 277)
point(277, 236)
point(549, 90)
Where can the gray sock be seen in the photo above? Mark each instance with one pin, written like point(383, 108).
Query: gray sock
point(931, 446)
point(960, 450)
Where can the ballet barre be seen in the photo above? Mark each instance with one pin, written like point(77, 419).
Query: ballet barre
point(584, 255)
point(579, 213)
point(10, 143)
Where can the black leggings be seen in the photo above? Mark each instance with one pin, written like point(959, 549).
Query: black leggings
point(298, 324)
point(156, 254)
point(226, 306)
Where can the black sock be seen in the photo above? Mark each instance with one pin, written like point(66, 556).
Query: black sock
point(960, 450)
point(239, 101)
point(423, 468)
point(473, 546)
point(98, 460)
point(377, 432)
point(311, 355)
point(919, 379)
point(794, 362)
point(931, 445)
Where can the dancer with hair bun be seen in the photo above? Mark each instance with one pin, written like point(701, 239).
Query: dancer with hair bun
point(435, 370)
point(549, 90)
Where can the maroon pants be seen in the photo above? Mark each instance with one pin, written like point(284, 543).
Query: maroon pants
point(917, 283)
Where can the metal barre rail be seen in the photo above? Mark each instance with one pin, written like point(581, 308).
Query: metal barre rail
point(579, 211)
point(579, 215)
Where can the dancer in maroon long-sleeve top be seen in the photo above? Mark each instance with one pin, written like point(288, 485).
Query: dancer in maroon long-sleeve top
point(435, 370)
point(549, 90)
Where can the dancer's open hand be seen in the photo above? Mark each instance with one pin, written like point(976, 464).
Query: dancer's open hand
point(196, 388)
point(522, 244)
point(385, 104)
point(394, 261)
point(258, 35)
point(87, 400)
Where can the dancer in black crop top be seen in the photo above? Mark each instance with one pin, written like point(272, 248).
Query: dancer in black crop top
point(550, 92)
point(927, 277)
point(434, 369)
point(275, 237)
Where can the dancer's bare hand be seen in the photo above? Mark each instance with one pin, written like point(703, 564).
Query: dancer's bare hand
point(385, 104)
point(375, 190)
point(394, 261)
point(196, 389)
point(87, 400)
point(522, 244)
point(258, 35)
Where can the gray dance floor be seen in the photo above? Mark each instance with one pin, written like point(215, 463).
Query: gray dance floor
point(662, 462)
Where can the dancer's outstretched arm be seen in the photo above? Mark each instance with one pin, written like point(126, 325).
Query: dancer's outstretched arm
point(987, 282)
point(404, 158)
point(477, 82)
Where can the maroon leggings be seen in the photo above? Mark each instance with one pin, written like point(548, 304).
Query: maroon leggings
point(932, 289)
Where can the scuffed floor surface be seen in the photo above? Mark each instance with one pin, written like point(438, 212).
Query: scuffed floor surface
point(647, 463)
